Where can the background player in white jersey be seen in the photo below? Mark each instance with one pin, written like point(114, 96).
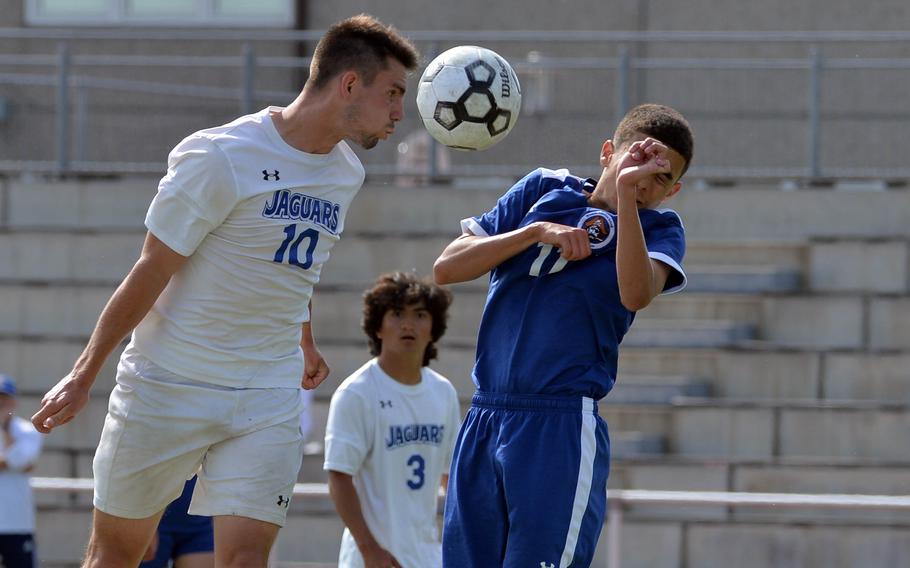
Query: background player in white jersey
point(219, 299)
point(20, 446)
point(391, 430)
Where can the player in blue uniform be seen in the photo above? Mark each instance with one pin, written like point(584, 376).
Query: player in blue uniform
point(571, 261)
point(187, 540)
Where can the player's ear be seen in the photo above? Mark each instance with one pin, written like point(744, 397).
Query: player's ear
point(676, 187)
point(347, 82)
point(606, 152)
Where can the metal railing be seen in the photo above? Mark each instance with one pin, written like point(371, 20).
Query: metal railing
point(618, 501)
point(72, 88)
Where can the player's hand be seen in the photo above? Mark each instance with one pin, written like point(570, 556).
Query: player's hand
point(378, 557)
point(315, 369)
point(572, 242)
point(61, 404)
point(643, 159)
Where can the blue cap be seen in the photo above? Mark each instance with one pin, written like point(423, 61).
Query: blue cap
point(7, 385)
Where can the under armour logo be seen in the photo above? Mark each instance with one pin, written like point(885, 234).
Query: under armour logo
point(384, 403)
point(283, 501)
point(545, 565)
point(267, 176)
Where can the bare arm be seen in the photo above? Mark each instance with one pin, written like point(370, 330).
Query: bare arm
point(315, 368)
point(128, 305)
point(470, 256)
point(347, 503)
point(640, 277)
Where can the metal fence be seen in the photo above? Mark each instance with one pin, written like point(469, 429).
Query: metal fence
point(618, 501)
point(625, 55)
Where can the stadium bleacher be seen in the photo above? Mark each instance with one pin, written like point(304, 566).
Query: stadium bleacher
point(783, 367)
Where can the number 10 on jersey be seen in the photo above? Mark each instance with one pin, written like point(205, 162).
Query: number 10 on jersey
point(292, 249)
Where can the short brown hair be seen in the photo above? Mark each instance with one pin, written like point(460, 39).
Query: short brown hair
point(361, 43)
point(397, 290)
point(661, 122)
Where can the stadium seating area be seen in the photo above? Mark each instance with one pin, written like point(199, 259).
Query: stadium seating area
point(782, 368)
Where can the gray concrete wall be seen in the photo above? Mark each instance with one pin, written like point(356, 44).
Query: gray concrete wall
point(785, 416)
point(742, 118)
point(749, 119)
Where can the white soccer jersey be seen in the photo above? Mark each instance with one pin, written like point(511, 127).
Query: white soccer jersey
point(18, 515)
point(396, 441)
point(257, 218)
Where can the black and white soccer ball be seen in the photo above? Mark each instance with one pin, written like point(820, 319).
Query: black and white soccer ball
point(469, 98)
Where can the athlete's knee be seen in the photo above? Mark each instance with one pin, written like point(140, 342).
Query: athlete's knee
point(243, 542)
point(116, 541)
point(110, 554)
point(241, 556)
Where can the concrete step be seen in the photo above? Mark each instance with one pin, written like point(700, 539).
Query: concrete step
point(765, 429)
point(71, 310)
point(79, 204)
point(105, 254)
point(123, 204)
point(754, 214)
point(696, 427)
point(756, 371)
point(883, 377)
point(312, 540)
point(75, 305)
point(688, 333)
point(830, 321)
point(743, 212)
point(656, 389)
point(32, 255)
point(636, 444)
point(858, 265)
point(742, 278)
point(819, 322)
point(312, 534)
point(759, 545)
point(743, 308)
point(645, 333)
point(822, 478)
point(785, 253)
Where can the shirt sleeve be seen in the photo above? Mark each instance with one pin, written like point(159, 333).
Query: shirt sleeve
point(348, 436)
point(26, 447)
point(511, 208)
point(666, 241)
point(195, 196)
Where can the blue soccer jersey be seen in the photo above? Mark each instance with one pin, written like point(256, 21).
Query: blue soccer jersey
point(546, 351)
point(550, 326)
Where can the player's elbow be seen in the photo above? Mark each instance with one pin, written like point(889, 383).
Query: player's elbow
point(443, 272)
point(635, 301)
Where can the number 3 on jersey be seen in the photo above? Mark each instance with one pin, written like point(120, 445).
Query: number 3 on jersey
point(293, 250)
point(416, 461)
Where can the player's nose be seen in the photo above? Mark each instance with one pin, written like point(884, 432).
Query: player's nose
point(397, 111)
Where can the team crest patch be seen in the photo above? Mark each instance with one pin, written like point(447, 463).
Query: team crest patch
point(600, 228)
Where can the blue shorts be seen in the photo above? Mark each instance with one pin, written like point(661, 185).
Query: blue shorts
point(174, 544)
point(17, 550)
point(528, 484)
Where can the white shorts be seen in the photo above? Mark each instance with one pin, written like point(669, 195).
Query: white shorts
point(160, 429)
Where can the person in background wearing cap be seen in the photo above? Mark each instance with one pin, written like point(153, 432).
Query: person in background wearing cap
point(20, 445)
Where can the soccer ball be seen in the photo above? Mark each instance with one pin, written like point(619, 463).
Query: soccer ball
point(469, 98)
